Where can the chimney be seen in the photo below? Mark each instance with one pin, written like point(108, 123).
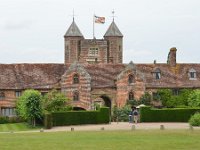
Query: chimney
point(172, 57)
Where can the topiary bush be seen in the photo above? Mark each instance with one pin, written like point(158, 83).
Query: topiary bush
point(195, 120)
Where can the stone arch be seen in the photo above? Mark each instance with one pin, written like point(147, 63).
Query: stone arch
point(107, 101)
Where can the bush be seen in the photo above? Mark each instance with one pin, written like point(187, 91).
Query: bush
point(81, 117)
point(103, 116)
point(166, 115)
point(195, 120)
point(4, 119)
point(194, 99)
point(121, 114)
point(48, 120)
point(13, 119)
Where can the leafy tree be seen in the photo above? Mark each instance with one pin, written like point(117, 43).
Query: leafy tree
point(165, 96)
point(29, 106)
point(194, 99)
point(55, 101)
point(121, 114)
point(145, 99)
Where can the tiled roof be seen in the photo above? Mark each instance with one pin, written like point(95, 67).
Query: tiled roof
point(47, 76)
point(37, 76)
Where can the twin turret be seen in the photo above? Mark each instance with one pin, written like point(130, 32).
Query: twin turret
point(107, 50)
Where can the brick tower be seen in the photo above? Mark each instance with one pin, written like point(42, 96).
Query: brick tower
point(115, 44)
point(72, 37)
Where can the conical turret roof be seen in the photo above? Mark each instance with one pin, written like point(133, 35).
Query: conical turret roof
point(73, 30)
point(113, 30)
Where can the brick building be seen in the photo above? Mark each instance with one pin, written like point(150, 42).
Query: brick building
point(94, 72)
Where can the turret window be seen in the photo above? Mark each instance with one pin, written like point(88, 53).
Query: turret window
point(192, 74)
point(76, 79)
point(76, 96)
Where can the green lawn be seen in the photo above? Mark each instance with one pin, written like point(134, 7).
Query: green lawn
point(15, 127)
point(103, 140)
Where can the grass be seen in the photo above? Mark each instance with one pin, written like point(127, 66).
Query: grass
point(103, 140)
point(15, 127)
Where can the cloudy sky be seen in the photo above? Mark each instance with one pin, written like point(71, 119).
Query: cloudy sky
point(31, 31)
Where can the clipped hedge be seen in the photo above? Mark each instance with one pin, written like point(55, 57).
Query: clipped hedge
point(148, 114)
point(48, 121)
point(11, 119)
point(77, 117)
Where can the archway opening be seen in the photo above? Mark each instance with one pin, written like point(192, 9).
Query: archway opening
point(107, 101)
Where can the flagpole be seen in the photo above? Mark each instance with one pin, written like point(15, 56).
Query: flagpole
point(93, 26)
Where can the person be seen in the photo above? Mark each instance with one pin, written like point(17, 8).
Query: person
point(130, 116)
point(135, 114)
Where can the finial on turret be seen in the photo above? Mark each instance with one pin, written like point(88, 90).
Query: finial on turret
point(113, 15)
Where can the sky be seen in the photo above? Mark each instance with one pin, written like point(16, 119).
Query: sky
point(31, 31)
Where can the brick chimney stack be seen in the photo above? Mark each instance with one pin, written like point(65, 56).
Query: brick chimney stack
point(172, 57)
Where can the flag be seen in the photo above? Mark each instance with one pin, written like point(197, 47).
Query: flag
point(98, 19)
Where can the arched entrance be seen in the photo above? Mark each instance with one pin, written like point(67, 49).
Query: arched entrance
point(107, 101)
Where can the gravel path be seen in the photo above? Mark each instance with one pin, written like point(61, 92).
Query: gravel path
point(116, 126)
point(122, 126)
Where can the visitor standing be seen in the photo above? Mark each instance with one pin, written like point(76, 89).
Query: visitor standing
point(135, 114)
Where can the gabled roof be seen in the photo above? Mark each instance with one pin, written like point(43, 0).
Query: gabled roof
point(113, 30)
point(73, 30)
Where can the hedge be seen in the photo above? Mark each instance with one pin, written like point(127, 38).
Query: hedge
point(11, 119)
point(77, 117)
point(48, 121)
point(148, 114)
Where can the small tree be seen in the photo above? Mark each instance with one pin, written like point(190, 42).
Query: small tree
point(145, 99)
point(55, 101)
point(29, 106)
point(194, 99)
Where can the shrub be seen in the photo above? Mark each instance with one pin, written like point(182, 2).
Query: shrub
point(194, 99)
point(103, 116)
point(195, 120)
point(166, 115)
point(145, 99)
point(121, 114)
point(4, 119)
point(81, 117)
point(48, 120)
point(13, 119)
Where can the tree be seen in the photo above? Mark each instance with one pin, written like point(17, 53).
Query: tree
point(194, 99)
point(55, 101)
point(165, 96)
point(29, 106)
point(145, 99)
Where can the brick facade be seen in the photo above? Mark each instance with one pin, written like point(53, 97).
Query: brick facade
point(94, 73)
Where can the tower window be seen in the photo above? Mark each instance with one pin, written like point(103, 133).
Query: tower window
point(93, 51)
point(131, 79)
point(131, 96)
point(76, 79)
point(76, 96)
